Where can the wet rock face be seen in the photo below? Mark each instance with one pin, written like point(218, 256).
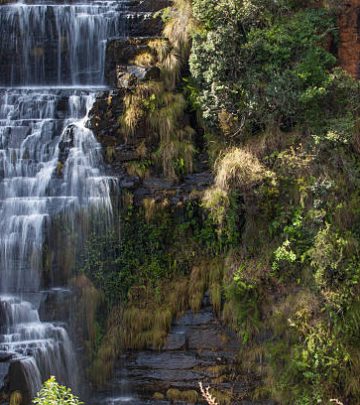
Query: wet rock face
point(141, 21)
point(198, 348)
point(55, 305)
point(142, 24)
point(150, 5)
point(15, 380)
point(104, 121)
point(119, 53)
point(120, 73)
point(19, 380)
point(349, 47)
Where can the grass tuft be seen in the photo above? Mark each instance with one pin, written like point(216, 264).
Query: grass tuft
point(239, 168)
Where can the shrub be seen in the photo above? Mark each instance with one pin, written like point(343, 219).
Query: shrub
point(217, 202)
point(264, 62)
point(53, 393)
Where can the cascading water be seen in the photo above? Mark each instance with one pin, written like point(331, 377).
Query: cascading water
point(50, 165)
point(56, 44)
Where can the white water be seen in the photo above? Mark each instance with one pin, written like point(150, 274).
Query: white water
point(50, 163)
point(57, 44)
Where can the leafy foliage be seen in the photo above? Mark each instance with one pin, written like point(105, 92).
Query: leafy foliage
point(53, 393)
point(115, 261)
point(268, 64)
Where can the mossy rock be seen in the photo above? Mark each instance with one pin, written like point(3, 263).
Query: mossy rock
point(189, 396)
point(158, 396)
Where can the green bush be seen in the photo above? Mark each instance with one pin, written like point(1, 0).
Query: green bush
point(53, 393)
point(268, 65)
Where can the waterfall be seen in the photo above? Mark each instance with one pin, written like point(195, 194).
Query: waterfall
point(56, 44)
point(51, 67)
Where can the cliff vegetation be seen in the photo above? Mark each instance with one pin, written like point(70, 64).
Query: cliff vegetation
point(252, 92)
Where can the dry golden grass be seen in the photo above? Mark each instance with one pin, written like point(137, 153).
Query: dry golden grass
point(133, 114)
point(180, 25)
point(165, 118)
point(138, 169)
point(127, 198)
point(175, 138)
point(144, 59)
point(158, 396)
point(16, 398)
point(171, 70)
point(188, 396)
point(197, 287)
point(142, 150)
point(160, 46)
point(89, 298)
point(166, 124)
point(216, 276)
point(173, 151)
point(149, 208)
point(141, 324)
point(144, 322)
point(166, 115)
point(135, 110)
point(178, 32)
point(215, 297)
point(238, 169)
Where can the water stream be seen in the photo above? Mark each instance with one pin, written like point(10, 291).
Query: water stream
point(51, 68)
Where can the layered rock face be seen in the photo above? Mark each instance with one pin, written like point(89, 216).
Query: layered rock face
point(349, 47)
point(198, 349)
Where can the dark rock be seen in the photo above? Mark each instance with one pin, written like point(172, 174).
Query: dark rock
point(165, 360)
point(19, 381)
point(167, 377)
point(194, 319)
point(205, 339)
point(158, 183)
point(144, 73)
point(143, 24)
point(129, 182)
point(151, 5)
point(152, 73)
point(197, 348)
point(119, 69)
point(5, 356)
point(349, 44)
point(55, 305)
point(176, 340)
point(104, 118)
point(124, 79)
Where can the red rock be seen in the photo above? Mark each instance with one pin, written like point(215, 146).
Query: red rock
point(349, 46)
